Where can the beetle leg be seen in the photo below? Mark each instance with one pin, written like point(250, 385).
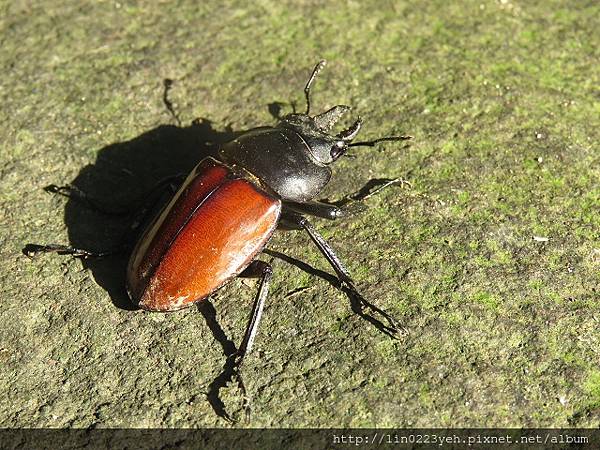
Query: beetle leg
point(74, 193)
point(318, 209)
point(256, 269)
point(32, 250)
point(141, 216)
point(358, 302)
point(373, 187)
point(232, 367)
point(314, 74)
point(351, 204)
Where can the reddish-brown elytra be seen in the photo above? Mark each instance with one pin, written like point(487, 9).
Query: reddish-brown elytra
point(210, 232)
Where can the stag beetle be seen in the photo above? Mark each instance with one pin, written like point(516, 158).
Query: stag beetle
point(227, 209)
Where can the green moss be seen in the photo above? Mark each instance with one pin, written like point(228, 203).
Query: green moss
point(425, 395)
point(573, 359)
point(592, 389)
point(487, 299)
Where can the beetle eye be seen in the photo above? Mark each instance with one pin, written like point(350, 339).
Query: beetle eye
point(338, 149)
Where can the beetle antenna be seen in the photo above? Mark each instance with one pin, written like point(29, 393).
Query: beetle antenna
point(377, 141)
point(314, 74)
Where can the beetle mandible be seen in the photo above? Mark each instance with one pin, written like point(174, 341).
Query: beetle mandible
point(227, 209)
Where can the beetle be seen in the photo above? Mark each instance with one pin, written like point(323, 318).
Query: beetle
point(227, 209)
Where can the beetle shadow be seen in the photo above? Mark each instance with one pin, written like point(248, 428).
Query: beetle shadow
point(359, 305)
point(120, 178)
point(209, 313)
point(276, 109)
point(108, 194)
point(113, 188)
point(229, 369)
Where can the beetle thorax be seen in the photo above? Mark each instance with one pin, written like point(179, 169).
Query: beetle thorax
point(292, 158)
point(282, 159)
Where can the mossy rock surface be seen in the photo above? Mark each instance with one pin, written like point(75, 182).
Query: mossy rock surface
point(489, 258)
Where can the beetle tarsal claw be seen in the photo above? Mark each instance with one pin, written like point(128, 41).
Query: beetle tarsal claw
point(53, 188)
point(32, 250)
point(67, 190)
point(359, 304)
point(242, 387)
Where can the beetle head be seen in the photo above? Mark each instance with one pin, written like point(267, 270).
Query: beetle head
point(315, 130)
point(324, 146)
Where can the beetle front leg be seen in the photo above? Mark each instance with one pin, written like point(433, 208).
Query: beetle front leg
point(358, 302)
point(375, 186)
point(350, 204)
